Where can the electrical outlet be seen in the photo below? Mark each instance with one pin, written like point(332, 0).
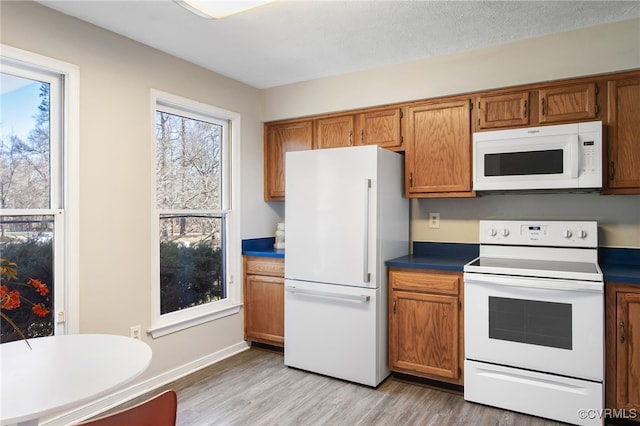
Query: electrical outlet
point(434, 220)
point(135, 331)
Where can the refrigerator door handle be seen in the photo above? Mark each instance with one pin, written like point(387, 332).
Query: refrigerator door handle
point(349, 297)
point(366, 277)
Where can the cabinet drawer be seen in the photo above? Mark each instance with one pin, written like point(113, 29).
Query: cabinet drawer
point(431, 282)
point(264, 266)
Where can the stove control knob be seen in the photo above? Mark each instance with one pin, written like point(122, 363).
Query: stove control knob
point(567, 233)
point(505, 232)
point(582, 234)
point(492, 232)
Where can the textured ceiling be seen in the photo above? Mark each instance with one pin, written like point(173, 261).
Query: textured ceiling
point(290, 41)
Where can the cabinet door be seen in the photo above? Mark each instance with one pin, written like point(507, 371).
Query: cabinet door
point(381, 128)
point(280, 139)
point(504, 110)
point(423, 332)
point(264, 309)
point(624, 136)
point(334, 132)
point(438, 148)
point(567, 103)
point(628, 351)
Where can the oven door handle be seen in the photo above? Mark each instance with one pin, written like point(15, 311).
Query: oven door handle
point(532, 282)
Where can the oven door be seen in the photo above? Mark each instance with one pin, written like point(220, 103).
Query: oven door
point(548, 325)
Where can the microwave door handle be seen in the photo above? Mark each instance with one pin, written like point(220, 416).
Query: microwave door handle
point(574, 147)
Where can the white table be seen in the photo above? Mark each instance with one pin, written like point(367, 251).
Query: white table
point(64, 371)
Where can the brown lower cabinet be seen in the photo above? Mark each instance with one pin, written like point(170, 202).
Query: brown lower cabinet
point(623, 349)
point(264, 300)
point(426, 336)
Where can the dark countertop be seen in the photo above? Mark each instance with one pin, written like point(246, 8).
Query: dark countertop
point(618, 264)
point(621, 265)
point(261, 247)
point(439, 256)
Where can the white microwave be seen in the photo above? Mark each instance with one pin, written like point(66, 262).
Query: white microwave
point(566, 156)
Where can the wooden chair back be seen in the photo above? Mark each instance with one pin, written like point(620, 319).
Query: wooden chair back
point(157, 411)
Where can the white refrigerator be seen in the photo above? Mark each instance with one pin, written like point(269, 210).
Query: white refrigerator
point(345, 216)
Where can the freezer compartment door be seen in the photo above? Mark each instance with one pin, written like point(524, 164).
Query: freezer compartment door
point(331, 216)
point(335, 330)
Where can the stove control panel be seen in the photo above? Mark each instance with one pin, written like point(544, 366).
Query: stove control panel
point(539, 233)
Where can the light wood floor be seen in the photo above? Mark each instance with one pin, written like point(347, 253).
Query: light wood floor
point(256, 388)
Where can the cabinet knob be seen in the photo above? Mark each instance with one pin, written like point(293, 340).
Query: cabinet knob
point(621, 331)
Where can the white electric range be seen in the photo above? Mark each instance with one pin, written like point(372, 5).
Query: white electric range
point(534, 320)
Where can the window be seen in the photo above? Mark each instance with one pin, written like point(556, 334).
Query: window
point(193, 218)
point(38, 195)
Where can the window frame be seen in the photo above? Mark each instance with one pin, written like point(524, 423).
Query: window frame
point(182, 319)
point(64, 175)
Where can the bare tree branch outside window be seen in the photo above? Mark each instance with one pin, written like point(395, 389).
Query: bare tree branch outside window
point(189, 177)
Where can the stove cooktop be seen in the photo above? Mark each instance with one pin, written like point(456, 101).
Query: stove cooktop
point(539, 265)
point(535, 268)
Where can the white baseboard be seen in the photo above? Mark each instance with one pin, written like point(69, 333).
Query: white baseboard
point(113, 400)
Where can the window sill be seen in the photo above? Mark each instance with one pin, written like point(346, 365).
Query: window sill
point(178, 325)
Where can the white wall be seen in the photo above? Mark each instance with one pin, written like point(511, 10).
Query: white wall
point(618, 216)
point(116, 77)
point(595, 50)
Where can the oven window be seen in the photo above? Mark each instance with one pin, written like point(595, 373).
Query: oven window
point(524, 163)
point(530, 321)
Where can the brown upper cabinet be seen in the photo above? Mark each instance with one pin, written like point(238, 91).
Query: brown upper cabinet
point(334, 132)
point(539, 105)
point(576, 102)
point(504, 110)
point(623, 137)
point(438, 150)
point(380, 128)
point(278, 140)
point(376, 127)
point(436, 133)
